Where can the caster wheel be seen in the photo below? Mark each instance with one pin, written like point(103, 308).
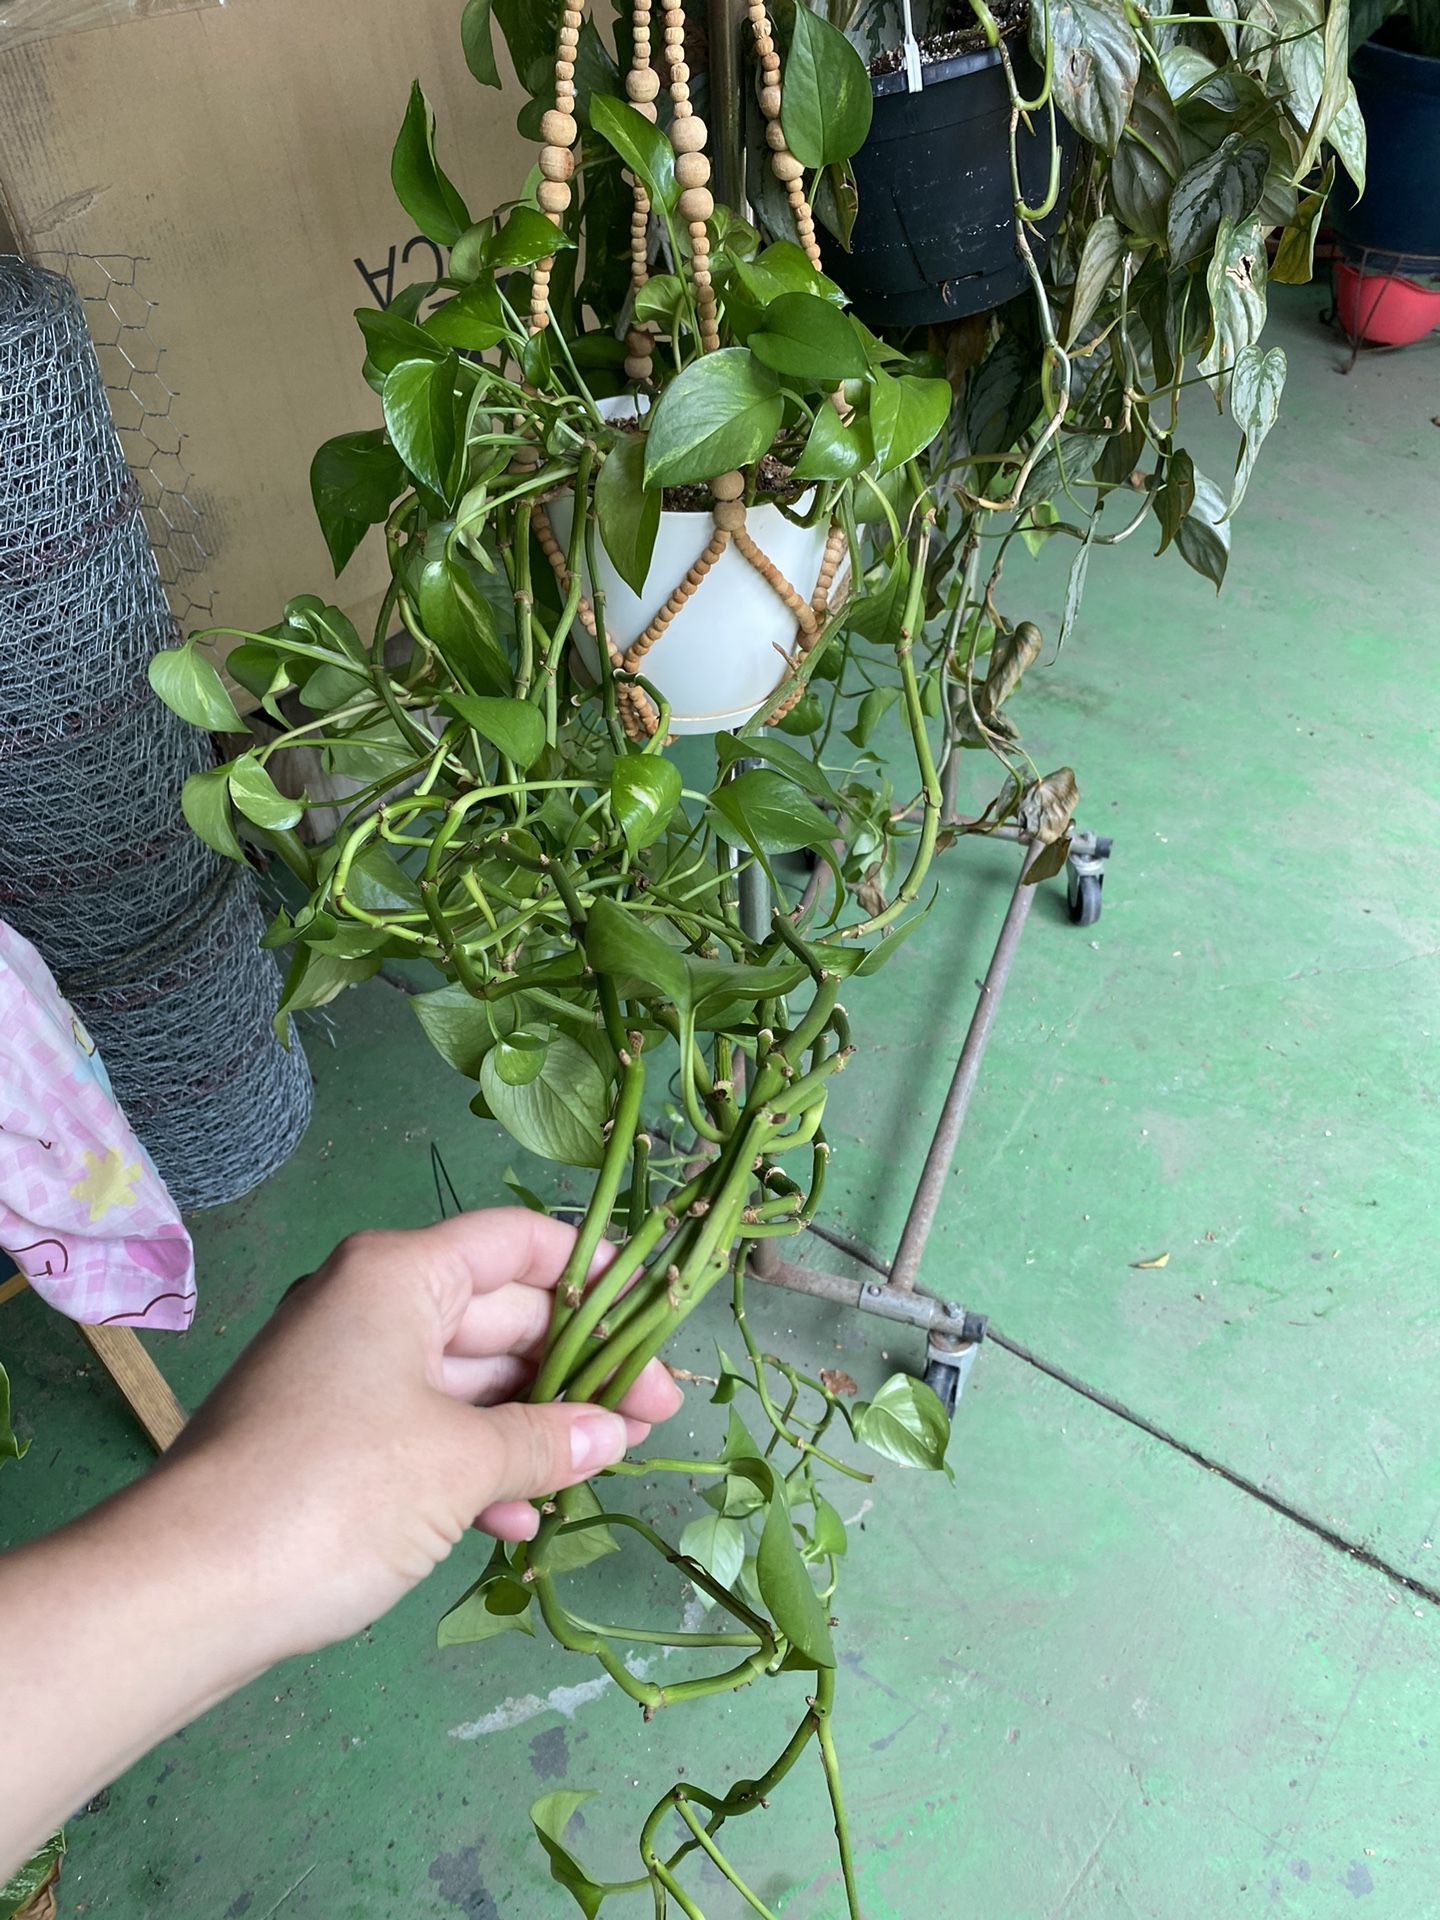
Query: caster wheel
point(1085, 899)
point(945, 1383)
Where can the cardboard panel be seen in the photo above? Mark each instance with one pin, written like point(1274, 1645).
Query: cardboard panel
point(25, 20)
point(240, 154)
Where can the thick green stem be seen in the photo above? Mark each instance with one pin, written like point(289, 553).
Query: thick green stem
point(624, 1122)
point(753, 1900)
point(824, 1705)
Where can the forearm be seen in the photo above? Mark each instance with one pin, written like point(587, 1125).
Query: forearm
point(116, 1630)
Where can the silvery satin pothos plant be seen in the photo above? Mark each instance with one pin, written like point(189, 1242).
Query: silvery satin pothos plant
point(613, 363)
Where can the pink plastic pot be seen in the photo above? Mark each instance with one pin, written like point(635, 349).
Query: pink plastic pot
point(1386, 309)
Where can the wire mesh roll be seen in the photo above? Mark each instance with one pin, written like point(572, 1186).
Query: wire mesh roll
point(152, 934)
point(63, 478)
point(185, 1029)
point(95, 853)
point(76, 638)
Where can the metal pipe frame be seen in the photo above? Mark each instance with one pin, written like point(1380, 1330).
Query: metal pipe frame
point(724, 19)
point(898, 1297)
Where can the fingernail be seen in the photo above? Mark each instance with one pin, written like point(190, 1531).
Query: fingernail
point(597, 1440)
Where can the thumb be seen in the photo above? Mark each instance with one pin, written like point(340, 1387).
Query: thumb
point(528, 1451)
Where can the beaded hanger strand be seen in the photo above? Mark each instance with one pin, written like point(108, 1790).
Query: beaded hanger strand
point(559, 130)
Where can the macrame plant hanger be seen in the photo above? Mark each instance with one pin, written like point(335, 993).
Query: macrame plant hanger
point(559, 130)
point(953, 1333)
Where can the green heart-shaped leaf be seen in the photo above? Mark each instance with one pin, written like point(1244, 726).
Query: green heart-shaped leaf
point(645, 790)
point(722, 412)
point(561, 1112)
point(620, 945)
point(190, 686)
point(514, 726)
point(419, 401)
point(809, 340)
point(205, 802)
point(355, 479)
point(641, 145)
point(827, 101)
point(258, 798)
point(905, 1422)
point(420, 184)
point(627, 512)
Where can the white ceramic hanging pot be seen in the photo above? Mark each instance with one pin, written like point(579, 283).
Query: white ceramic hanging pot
point(726, 651)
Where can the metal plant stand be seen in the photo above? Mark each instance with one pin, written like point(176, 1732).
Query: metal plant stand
point(953, 1333)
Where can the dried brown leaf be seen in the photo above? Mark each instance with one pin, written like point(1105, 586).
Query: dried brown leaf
point(1011, 654)
point(1047, 806)
point(868, 891)
point(835, 1381)
point(1048, 862)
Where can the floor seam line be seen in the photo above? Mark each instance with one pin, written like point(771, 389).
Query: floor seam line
point(1277, 1504)
point(1242, 1483)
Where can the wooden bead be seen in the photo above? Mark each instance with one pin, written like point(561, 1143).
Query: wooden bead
point(680, 93)
point(786, 167)
point(558, 129)
point(553, 196)
point(774, 136)
point(636, 367)
point(688, 135)
point(770, 102)
point(647, 110)
point(557, 163)
point(696, 205)
point(642, 83)
point(691, 169)
point(638, 341)
point(729, 515)
point(728, 486)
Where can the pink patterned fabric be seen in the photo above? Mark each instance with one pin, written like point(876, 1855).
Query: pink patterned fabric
point(83, 1213)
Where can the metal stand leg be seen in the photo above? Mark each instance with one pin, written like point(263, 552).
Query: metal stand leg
point(962, 1088)
point(954, 1335)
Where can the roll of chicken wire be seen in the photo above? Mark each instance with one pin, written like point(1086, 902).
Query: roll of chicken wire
point(75, 640)
point(95, 853)
point(63, 478)
point(184, 1025)
point(154, 936)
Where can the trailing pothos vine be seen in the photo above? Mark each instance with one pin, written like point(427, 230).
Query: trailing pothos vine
point(613, 351)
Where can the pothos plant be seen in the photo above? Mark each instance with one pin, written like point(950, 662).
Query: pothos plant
point(611, 353)
point(1211, 135)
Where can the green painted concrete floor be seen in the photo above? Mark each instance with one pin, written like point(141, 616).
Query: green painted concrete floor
point(1110, 1673)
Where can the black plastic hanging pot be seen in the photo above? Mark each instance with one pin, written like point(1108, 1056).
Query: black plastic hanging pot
point(1397, 221)
point(934, 238)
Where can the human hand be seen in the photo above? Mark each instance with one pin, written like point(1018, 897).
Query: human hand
point(366, 1428)
point(373, 1420)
